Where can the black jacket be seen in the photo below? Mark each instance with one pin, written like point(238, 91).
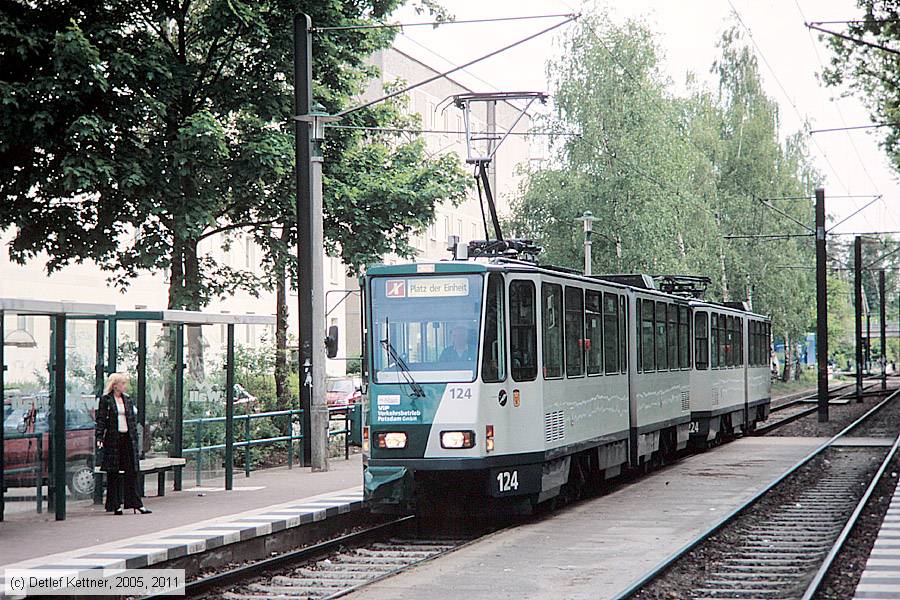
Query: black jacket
point(107, 429)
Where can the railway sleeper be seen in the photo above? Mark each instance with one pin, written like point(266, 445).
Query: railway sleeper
point(287, 584)
point(417, 554)
point(745, 583)
point(243, 596)
point(343, 574)
point(739, 593)
point(372, 560)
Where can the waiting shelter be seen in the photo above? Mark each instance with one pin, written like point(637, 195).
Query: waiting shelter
point(183, 370)
point(52, 358)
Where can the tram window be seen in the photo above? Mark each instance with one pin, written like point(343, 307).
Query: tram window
point(714, 332)
point(551, 328)
point(723, 341)
point(623, 337)
point(739, 341)
point(574, 332)
point(661, 362)
point(751, 339)
point(701, 341)
point(647, 352)
point(522, 331)
point(684, 338)
point(611, 332)
point(728, 323)
point(593, 332)
point(672, 336)
point(493, 367)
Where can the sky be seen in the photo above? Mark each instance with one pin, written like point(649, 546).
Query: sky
point(790, 56)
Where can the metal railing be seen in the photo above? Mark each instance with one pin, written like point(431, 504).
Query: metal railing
point(247, 443)
point(349, 415)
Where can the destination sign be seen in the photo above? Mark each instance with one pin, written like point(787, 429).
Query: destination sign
point(434, 287)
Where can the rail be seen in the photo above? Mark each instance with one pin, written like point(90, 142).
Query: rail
point(668, 562)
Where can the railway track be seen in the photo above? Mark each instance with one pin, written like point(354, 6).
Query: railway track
point(784, 547)
point(329, 569)
point(798, 408)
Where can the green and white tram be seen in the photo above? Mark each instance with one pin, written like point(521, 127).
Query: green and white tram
point(504, 383)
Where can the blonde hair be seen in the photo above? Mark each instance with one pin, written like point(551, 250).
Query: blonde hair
point(113, 379)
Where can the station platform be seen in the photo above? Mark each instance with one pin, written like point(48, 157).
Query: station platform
point(596, 548)
point(881, 578)
point(194, 520)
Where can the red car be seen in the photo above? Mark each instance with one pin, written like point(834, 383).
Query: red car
point(342, 392)
point(22, 427)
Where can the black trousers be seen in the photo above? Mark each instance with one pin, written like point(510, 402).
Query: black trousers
point(121, 485)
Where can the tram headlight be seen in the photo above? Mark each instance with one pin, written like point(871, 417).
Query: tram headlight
point(489, 438)
point(457, 439)
point(390, 439)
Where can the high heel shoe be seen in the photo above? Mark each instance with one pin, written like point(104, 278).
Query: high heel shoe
point(143, 510)
point(118, 512)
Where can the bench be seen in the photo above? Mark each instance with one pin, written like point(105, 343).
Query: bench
point(159, 465)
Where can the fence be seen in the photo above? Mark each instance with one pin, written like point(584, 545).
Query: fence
point(350, 429)
point(248, 442)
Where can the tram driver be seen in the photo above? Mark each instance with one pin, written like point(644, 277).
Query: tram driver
point(461, 348)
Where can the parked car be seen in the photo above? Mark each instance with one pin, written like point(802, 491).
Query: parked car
point(343, 391)
point(20, 448)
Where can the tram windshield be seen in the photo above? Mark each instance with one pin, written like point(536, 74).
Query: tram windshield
point(431, 323)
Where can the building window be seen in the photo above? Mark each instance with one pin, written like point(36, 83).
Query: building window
point(493, 367)
point(574, 332)
point(522, 330)
point(593, 319)
point(432, 230)
point(701, 341)
point(551, 329)
point(249, 253)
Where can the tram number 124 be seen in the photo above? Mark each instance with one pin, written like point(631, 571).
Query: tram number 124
point(508, 481)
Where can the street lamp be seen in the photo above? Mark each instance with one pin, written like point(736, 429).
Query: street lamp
point(587, 218)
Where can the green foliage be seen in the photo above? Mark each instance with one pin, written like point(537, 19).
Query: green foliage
point(132, 131)
point(670, 177)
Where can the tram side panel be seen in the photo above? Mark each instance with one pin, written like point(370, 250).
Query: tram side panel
point(660, 402)
point(718, 377)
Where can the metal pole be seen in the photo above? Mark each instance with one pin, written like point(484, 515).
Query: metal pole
point(868, 339)
point(306, 252)
point(100, 365)
point(142, 381)
point(58, 418)
point(821, 306)
point(113, 347)
point(229, 410)
point(857, 296)
point(319, 419)
point(881, 318)
point(178, 418)
point(2, 433)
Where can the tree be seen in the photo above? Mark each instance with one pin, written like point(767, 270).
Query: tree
point(871, 72)
point(132, 132)
point(670, 178)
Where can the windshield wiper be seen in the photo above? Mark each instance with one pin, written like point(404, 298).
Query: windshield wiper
point(403, 368)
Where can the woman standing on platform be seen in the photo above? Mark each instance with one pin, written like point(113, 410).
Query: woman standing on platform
point(116, 435)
